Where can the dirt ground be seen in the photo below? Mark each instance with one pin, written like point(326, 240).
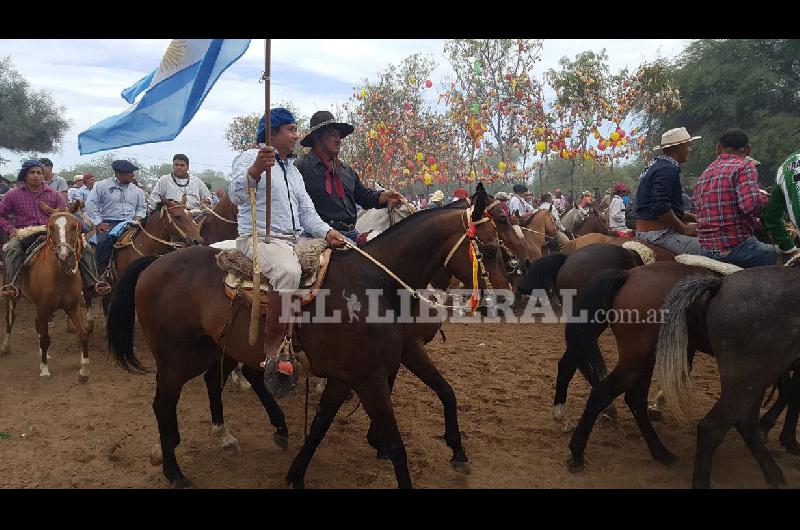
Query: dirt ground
point(64, 434)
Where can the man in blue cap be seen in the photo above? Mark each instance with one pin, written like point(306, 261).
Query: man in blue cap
point(333, 185)
point(21, 208)
point(113, 201)
point(294, 218)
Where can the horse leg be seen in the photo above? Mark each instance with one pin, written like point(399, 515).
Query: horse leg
point(566, 371)
point(377, 401)
point(238, 379)
point(213, 379)
point(620, 379)
point(373, 438)
point(770, 418)
point(165, 405)
point(788, 437)
point(42, 328)
point(76, 317)
point(636, 398)
point(276, 416)
point(417, 360)
point(90, 316)
point(332, 398)
point(11, 315)
point(749, 431)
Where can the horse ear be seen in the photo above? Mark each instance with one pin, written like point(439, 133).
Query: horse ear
point(46, 209)
point(480, 204)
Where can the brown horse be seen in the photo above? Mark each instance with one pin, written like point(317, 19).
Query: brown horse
point(539, 230)
point(591, 225)
point(636, 297)
point(220, 223)
point(347, 355)
point(52, 282)
point(747, 321)
point(166, 228)
point(661, 254)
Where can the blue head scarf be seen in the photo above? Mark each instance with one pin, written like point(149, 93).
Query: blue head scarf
point(277, 117)
point(25, 167)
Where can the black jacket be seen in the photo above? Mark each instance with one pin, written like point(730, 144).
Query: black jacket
point(332, 209)
point(659, 191)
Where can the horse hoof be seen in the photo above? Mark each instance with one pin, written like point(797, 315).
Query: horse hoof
point(573, 466)
point(155, 456)
point(281, 441)
point(83, 378)
point(461, 467)
point(565, 425)
point(295, 483)
point(182, 483)
point(611, 411)
point(655, 415)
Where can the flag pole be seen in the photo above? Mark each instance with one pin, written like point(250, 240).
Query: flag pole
point(255, 308)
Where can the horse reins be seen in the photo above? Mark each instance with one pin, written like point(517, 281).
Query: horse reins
point(74, 250)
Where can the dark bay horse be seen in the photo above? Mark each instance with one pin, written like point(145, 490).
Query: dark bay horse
point(592, 225)
point(220, 223)
point(347, 354)
point(636, 297)
point(52, 282)
point(750, 322)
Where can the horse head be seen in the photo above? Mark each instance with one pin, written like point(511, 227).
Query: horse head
point(64, 235)
point(510, 237)
point(179, 223)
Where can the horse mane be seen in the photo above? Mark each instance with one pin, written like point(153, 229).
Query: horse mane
point(156, 209)
point(417, 217)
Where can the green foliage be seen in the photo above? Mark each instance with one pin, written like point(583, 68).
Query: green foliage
point(99, 166)
point(750, 84)
point(29, 119)
point(241, 131)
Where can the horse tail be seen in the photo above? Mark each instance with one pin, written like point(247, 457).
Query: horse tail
point(122, 316)
point(595, 297)
point(542, 274)
point(672, 362)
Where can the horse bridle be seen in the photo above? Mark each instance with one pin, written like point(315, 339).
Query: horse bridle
point(73, 250)
point(170, 243)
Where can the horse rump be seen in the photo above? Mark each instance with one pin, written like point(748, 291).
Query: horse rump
point(542, 274)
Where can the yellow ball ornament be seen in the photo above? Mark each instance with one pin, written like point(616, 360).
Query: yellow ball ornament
point(540, 146)
point(615, 136)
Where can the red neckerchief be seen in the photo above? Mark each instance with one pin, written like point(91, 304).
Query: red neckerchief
point(331, 178)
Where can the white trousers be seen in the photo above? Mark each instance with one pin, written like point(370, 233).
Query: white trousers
point(278, 261)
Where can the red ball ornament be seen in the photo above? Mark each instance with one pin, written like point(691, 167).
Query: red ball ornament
point(428, 83)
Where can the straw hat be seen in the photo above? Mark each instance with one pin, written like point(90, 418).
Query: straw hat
point(438, 196)
point(675, 137)
point(501, 196)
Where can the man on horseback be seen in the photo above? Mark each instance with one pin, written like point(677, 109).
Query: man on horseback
point(547, 204)
point(179, 183)
point(519, 206)
point(616, 211)
point(784, 200)
point(24, 203)
point(728, 200)
point(332, 184)
point(660, 218)
point(113, 201)
point(560, 202)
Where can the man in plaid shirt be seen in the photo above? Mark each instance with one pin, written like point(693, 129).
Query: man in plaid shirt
point(24, 203)
point(728, 199)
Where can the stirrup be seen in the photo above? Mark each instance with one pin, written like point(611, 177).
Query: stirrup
point(10, 291)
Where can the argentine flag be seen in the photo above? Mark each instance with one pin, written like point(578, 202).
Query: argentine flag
point(172, 94)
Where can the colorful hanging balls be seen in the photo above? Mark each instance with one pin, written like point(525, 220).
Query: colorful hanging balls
point(406, 172)
point(407, 106)
point(602, 144)
point(614, 136)
point(363, 92)
point(540, 146)
point(410, 164)
point(431, 160)
point(428, 83)
point(373, 133)
point(420, 156)
point(477, 67)
point(412, 80)
point(621, 132)
point(501, 166)
point(486, 171)
point(427, 179)
point(475, 108)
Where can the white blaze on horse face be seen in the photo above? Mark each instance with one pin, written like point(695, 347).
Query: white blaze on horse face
point(61, 223)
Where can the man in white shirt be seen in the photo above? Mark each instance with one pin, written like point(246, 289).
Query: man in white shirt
point(547, 204)
point(616, 212)
point(72, 193)
point(518, 205)
point(178, 183)
point(293, 216)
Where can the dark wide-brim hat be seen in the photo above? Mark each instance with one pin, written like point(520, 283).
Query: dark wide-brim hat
point(124, 166)
point(320, 121)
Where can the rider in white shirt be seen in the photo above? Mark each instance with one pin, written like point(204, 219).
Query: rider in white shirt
point(178, 183)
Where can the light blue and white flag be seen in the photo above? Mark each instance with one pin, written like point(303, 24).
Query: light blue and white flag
point(172, 94)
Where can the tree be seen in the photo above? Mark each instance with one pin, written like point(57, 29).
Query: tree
point(29, 119)
point(99, 166)
point(750, 84)
point(241, 131)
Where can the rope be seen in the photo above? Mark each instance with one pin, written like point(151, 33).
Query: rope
point(215, 214)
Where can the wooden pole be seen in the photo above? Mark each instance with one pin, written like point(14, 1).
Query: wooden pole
point(255, 309)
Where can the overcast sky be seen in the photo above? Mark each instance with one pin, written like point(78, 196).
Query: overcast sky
point(87, 76)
